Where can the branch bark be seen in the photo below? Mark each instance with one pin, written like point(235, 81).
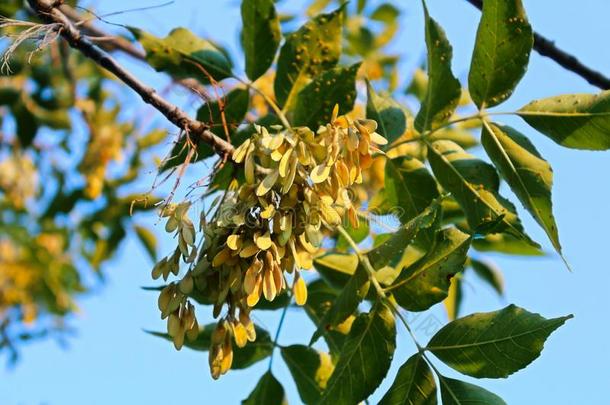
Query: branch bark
point(49, 12)
point(546, 47)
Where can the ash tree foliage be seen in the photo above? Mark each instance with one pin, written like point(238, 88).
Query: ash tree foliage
point(309, 147)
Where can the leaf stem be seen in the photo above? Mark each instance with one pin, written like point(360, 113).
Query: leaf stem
point(364, 260)
point(268, 99)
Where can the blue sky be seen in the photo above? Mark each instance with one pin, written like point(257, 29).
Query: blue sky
point(113, 361)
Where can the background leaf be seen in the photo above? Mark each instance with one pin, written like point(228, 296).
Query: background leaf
point(148, 240)
point(501, 53)
point(260, 37)
point(493, 344)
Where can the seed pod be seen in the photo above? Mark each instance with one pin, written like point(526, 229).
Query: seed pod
point(299, 289)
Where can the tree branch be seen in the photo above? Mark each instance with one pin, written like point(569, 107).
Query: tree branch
point(49, 12)
point(115, 43)
point(546, 47)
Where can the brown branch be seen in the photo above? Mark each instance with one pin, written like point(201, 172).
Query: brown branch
point(49, 12)
point(546, 47)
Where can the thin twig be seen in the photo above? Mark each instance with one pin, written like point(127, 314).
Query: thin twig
point(174, 114)
point(546, 47)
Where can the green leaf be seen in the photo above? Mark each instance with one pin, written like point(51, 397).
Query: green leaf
point(501, 53)
point(346, 303)
point(312, 49)
point(268, 391)
point(148, 240)
point(320, 297)
point(310, 370)
point(183, 55)
point(234, 106)
point(444, 90)
point(260, 37)
point(314, 104)
point(243, 357)
point(493, 344)
point(507, 244)
point(456, 392)
point(577, 121)
point(474, 184)
point(414, 385)
point(526, 172)
point(426, 282)
point(409, 190)
point(488, 273)
point(391, 250)
point(364, 360)
point(336, 268)
point(389, 114)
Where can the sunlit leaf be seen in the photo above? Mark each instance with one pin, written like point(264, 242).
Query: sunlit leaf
point(310, 370)
point(320, 297)
point(346, 302)
point(409, 190)
point(182, 54)
point(336, 268)
point(474, 184)
point(526, 172)
point(314, 104)
point(493, 344)
point(444, 90)
point(391, 250)
point(364, 360)
point(578, 121)
point(426, 282)
point(501, 54)
point(312, 49)
point(389, 114)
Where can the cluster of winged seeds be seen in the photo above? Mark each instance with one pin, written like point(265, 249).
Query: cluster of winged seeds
point(296, 188)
